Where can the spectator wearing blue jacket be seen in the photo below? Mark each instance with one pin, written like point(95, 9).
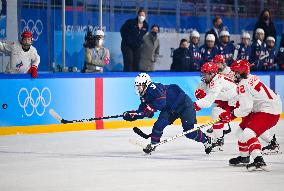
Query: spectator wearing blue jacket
point(194, 51)
point(132, 33)
point(226, 47)
point(208, 50)
point(244, 48)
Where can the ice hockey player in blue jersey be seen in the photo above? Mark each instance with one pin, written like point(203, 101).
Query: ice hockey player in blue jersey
point(269, 62)
point(226, 47)
point(244, 48)
point(173, 103)
point(208, 50)
point(194, 50)
point(258, 49)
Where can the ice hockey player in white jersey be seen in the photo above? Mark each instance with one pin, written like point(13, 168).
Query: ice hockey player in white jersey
point(219, 90)
point(23, 56)
point(223, 69)
point(259, 108)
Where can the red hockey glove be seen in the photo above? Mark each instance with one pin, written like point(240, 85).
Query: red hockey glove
point(33, 71)
point(226, 117)
point(200, 93)
point(196, 107)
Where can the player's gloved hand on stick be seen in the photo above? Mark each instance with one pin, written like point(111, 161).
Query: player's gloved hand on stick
point(130, 115)
point(33, 71)
point(200, 93)
point(226, 117)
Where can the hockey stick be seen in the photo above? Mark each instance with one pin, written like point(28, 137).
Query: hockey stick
point(176, 136)
point(141, 133)
point(186, 132)
point(64, 121)
point(227, 130)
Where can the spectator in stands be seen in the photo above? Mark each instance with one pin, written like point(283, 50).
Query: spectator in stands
point(132, 33)
point(23, 56)
point(96, 55)
point(265, 22)
point(280, 55)
point(217, 28)
point(226, 47)
point(243, 49)
point(208, 50)
point(258, 50)
point(269, 62)
point(150, 50)
point(181, 58)
point(194, 51)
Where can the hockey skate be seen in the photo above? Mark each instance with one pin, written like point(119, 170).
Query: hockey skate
point(258, 164)
point(149, 149)
point(239, 161)
point(272, 148)
point(208, 145)
point(218, 144)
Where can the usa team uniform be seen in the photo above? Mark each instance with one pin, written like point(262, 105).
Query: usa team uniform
point(207, 54)
point(244, 52)
point(227, 50)
point(195, 57)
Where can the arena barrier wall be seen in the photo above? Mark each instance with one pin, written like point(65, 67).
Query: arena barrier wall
point(25, 102)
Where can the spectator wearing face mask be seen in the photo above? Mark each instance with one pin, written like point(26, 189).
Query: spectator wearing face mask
point(96, 55)
point(217, 28)
point(132, 33)
point(181, 58)
point(150, 50)
point(265, 22)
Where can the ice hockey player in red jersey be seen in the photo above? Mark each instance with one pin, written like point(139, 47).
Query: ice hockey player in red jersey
point(259, 108)
point(23, 56)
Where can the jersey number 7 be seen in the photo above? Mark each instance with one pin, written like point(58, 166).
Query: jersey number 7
point(261, 85)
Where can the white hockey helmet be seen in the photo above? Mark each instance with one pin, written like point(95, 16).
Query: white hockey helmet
point(224, 33)
point(99, 33)
point(195, 33)
point(210, 37)
point(142, 81)
point(245, 35)
point(270, 38)
point(259, 31)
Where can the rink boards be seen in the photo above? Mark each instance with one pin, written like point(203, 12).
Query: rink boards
point(25, 102)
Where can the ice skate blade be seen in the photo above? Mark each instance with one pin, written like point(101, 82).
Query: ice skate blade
point(254, 168)
point(271, 152)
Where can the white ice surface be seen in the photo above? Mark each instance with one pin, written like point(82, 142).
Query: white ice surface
point(105, 160)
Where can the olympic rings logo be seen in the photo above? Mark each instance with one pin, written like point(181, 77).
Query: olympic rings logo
point(34, 100)
point(35, 27)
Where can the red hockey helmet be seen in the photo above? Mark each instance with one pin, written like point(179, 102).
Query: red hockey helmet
point(219, 59)
point(209, 67)
point(27, 34)
point(241, 66)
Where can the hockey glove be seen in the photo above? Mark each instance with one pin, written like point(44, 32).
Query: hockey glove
point(130, 115)
point(196, 107)
point(226, 117)
point(200, 93)
point(33, 71)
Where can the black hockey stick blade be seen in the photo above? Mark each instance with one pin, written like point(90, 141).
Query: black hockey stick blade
point(141, 133)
